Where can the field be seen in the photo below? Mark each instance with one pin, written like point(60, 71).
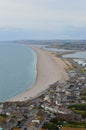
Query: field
point(74, 129)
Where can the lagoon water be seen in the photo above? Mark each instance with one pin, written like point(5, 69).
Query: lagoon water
point(57, 49)
point(17, 69)
point(79, 55)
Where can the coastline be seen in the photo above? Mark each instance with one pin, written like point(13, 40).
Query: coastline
point(49, 70)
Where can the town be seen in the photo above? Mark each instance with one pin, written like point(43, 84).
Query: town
point(62, 104)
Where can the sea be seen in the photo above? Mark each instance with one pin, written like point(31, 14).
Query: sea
point(17, 69)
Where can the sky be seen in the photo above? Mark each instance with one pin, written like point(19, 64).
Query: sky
point(42, 19)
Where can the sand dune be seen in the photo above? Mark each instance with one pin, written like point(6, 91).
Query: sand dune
point(49, 70)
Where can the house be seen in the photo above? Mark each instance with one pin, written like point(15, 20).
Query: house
point(36, 121)
point(47, 98)
point(71, 98)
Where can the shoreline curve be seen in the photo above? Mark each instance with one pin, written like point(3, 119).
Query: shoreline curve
point(49, 70)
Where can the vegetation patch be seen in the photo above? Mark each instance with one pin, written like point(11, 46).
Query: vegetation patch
point(83, 70)
point(79, 109)
point(83, 95)
point(52, 125)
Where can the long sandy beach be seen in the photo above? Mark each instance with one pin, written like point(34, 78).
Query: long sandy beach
point(49, 70)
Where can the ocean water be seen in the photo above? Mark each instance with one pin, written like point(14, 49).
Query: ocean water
point(17, 69)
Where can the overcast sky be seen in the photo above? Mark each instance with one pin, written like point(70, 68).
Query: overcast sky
point(42, 19)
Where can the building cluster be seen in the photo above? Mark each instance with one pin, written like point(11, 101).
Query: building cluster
point(54, 102)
